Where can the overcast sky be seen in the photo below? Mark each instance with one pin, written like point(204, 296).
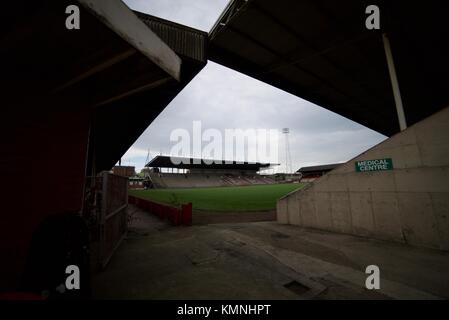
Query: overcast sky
point(224, 99)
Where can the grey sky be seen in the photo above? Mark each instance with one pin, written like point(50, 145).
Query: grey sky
point(222, 98)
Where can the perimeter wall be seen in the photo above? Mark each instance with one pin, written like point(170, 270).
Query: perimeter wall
point(408, 204)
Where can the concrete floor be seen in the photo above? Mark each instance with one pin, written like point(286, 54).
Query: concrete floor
point(264, 260)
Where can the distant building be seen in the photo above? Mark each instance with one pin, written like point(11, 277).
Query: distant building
point(136, 183)
point(125, 171)
point(309, 174)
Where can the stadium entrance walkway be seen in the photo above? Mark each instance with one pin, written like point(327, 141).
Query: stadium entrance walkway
point(263, 260)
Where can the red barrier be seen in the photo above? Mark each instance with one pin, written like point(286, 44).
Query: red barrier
point(177, 216)
point(187, 214)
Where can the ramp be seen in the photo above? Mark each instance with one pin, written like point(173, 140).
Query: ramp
point(406, 200)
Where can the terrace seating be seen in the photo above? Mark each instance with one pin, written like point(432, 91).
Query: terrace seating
point(197, 180)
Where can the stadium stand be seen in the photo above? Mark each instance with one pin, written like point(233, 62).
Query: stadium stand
point(201, 175)
point(310, 174)
point(198, 180)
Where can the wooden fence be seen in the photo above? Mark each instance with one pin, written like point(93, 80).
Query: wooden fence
point(113, 214)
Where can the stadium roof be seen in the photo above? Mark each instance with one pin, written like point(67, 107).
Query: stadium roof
point(120, 122)
point(320, 168)
point(320, 50)
point(121, 68)
point(195, 163)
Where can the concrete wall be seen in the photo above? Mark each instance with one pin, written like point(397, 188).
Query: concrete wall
point(408, 204)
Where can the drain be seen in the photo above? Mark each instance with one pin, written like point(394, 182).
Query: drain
point(296, 287)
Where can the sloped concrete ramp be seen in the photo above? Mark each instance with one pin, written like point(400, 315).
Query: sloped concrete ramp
point(407, 204)
point(264, 260)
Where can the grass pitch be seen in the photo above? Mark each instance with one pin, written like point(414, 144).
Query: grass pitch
point(247, 198)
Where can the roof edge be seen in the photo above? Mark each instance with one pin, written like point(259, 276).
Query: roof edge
point(120, 18)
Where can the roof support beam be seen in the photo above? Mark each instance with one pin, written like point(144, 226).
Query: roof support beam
point(394, 83)
point(133, 90)
point(97, 68)
point(118, 17)
point(296, 66)
point(318, 52)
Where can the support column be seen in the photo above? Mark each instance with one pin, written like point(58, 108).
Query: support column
point(394, 83)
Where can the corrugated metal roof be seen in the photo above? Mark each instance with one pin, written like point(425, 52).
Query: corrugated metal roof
point(185, 41)
point(117, 16)
point(195, 163)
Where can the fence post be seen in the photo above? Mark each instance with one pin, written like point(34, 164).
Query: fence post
point(103, 213)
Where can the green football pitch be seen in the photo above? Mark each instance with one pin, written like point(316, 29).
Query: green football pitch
point(247, 198)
